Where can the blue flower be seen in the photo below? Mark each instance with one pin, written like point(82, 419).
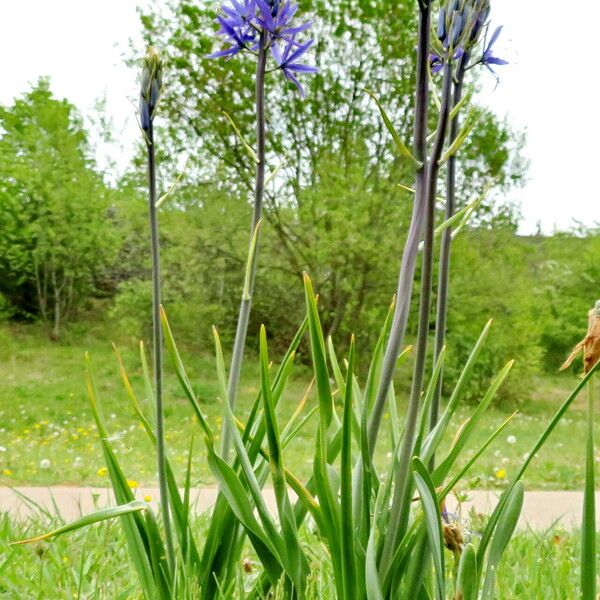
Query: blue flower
point(237, 27)
point(288, 61)
point(488, 57)
point(278, 23)
point(247, 23)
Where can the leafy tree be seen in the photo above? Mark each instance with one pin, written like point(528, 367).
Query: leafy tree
point(55, 232)
point(334, 209)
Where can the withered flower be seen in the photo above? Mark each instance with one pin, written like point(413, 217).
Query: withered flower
point(590, 344)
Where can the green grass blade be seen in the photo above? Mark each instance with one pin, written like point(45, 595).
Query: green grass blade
point(348, 534)
point(437, 475)
point(433, 439)
point(507, 522)
point(493, 520)
point(294, 557)
point(466, 578)
point(182, 374)
point(91, 519)
point(433, 521)
point(373, 584)
point(588, 525)
point(470, 426)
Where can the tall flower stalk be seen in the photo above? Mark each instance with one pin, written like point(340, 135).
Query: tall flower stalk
point(260, 28)
point(446, 244)
point(481, 14)
point(259, 187)
point(411, 247)
point(458, 28)
point(151, 87)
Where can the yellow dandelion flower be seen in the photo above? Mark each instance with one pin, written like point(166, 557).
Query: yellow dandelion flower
point(132, 483)
point(501, 474)
point(102, 472)
point(7, 472)
point(147, 498)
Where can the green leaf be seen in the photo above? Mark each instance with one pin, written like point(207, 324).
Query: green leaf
point(317, 345)
point(466, 578)
point(348, 532)
point(91, 519)
point(470, 426)
point(182, 375)
point(400, 145)
point(433, 521)
point(239, 135)
point(588, 525)
point(246, 294)
point(435, 436)
point(143, 537)
point(507, 522)
point(462, 471)
point(295, 561)
point(373, 584)
point(470, 123)
point(493, 519)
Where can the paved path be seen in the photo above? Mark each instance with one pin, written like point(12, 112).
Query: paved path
point(541, 509)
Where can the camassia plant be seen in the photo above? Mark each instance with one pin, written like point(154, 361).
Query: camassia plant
point(386, 533)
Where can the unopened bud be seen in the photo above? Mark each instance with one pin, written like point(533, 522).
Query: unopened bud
point(151, 87)
point(457, 28)
point(441, 28)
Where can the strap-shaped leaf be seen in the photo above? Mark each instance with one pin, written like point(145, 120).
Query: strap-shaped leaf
point(433, 522)
point(507, 522)
point(400, 145)
point(466, 577)
point(91, 519)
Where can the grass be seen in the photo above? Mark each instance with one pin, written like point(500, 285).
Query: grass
point(47, 436)
point(94, 563)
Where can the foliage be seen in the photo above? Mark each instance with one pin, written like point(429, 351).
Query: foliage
point(56, 232)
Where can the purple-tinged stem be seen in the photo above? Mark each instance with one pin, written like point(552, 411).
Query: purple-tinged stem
point(246, 303)
point(445, 247)
point(411, 247)
point(400, 502)
point(158, 341)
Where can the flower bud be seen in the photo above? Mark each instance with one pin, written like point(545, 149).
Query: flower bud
point(457, 28)
point(441, 28)
point(151, 87)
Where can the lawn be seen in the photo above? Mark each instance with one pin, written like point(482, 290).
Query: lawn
point(47, 435)
point(94, 563)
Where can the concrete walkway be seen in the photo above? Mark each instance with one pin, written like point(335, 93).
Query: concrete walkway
point(540, 511)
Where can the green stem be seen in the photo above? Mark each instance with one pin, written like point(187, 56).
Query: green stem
point(158, 341)
point(246, 303)
point(588, 529)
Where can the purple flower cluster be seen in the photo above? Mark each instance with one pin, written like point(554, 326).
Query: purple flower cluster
point(459, 30)
point(247, 24)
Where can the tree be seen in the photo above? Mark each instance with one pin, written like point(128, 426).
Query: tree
point(56, 236)
point(334, 208)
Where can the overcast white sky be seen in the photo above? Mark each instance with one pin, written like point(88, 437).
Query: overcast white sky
point(550, 87)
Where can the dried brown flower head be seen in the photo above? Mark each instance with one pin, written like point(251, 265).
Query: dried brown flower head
point(590, 344)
